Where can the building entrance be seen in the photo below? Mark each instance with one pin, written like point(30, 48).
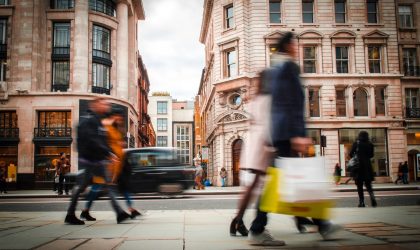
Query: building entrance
point(236, 154)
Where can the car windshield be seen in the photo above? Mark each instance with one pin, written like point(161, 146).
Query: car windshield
point(154, 158)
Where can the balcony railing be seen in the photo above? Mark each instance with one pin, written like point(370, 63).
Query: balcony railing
point(101, 54)
point(131, 142)
point(104, 6)
point(62, 4)
point(52, 132)
point(412, 71)
point(412, 112)
point(100, 90)
point(3, 51)
point(9, 133)
point(60, 87)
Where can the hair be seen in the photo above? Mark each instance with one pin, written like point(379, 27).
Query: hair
point(62, 153)
point(363, 136)
point(284, 42)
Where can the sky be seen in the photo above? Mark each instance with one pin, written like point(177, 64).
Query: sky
point(170, 48)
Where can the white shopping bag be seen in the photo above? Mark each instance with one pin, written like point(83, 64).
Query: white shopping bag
point(303, 179)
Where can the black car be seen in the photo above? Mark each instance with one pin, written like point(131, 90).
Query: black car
point(157, 169)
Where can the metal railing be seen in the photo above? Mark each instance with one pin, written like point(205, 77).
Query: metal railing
point(60, 87)
point(101, 90)
point(106, 7)
point(412, 112)
point(62, 4)
point(9, 133)
point(61, 50)
point(412, 71)
point(52, 132)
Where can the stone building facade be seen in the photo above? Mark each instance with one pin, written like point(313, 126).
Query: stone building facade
point(55, 57)
point(349, 58)
point(408, 24)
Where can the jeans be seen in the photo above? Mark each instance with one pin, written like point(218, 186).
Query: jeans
point(61, 180)
point(368, 185)
point(93, 194)
point(405, 178)
point(223, 182)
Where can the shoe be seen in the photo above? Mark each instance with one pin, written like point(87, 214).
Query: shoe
point(361, 204)
point(67, 193)
point(134, 214)
point(122, 217)
point(60, 193)
point(264, 239)
point(238, 226)
point(86, 216)
point(73, 220)
point(328, 231)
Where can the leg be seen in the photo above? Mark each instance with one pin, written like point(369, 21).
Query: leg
point(77, 190)
point(121, 215)
point(359, 184)
point(93, 194)
point(260, 221)
point(66, 185)
point(60, 184)
point(368, 185)
point(128, 199)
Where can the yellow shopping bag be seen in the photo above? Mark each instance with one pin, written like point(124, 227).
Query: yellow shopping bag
point(271, 201)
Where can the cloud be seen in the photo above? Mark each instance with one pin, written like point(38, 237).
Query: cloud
point(168, 43)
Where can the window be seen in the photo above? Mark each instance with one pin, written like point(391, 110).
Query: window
point(231, 69)
point(162, 107)
point(410, 62)
point(229, 22)
point(275, 11)
point(372, 11)
point(314, 102)
point(8, 119)
point(3, 70)
point(104, 6)
point(412, 99)
point(309, 60)
point(380, 100)
point(4, 2)
point(162, 124)
point(62, 4)
point(54, 119)
point(360, 102)
point(61, 38)
point(3, 31)
point(374, 57)
point(342, 59)
point(340, 102)
point(101, 75)
point(340, 11)
point(272, 52)
point(162, 141)
point(183, 143)
point(61, 74)
point(405, 14)
point(101, 42)
point(308, 11)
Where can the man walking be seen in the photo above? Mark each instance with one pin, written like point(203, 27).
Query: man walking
point(94, 154)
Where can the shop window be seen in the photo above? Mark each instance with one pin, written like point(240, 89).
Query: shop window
point(46, 160)
point(315, 148)
point(360, 102)
point(53, 124)
point(380, 100)
point(9, 161)
point(314, 102)
point(340, 102)
point(413, 138)
point(378, 138)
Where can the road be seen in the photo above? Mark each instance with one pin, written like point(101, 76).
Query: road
point(198, 202)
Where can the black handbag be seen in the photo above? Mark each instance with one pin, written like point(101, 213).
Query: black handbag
point(353, 163)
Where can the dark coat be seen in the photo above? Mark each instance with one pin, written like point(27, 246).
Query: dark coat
point(365, 152)
point(287, 108)
point(92, 140)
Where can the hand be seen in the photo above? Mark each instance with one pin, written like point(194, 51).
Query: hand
point(300, 144)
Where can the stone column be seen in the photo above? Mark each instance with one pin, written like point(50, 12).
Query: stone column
point(122, 50)
point(306, 91)
point(372, 103)
point(80, 48)
point(222, 158)
point(350, 107)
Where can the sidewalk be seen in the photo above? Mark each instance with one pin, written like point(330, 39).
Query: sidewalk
point(364, 228)
point(217, 190)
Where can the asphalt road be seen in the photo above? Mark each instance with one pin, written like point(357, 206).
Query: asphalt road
point(198, 202)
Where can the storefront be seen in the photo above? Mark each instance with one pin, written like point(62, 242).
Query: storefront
point(315, 148)
point(9, 141)
point(413, 152)
point(379, 139)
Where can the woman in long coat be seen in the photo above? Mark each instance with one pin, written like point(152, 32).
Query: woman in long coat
point(364, 150)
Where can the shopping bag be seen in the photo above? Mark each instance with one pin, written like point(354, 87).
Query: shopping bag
point(297, 186)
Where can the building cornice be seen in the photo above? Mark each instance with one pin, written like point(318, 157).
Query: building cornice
point(315, 76)
point(207, 10)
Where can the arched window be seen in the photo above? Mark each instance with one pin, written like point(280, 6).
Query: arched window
point(360, 102)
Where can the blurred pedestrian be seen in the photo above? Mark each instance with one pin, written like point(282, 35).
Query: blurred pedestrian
point(56, 175)
point(400, 173)
point(63, 168)
point(337, 174)
point(364, 150)
point(405, 173)
point(94, 155)
point(3, 176)
point(199, 172)
point(223, 176)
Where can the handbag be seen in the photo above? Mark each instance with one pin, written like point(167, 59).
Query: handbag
point(297, 186)
point(353, 163)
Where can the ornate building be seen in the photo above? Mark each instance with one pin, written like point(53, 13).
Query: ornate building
point(349, 58)
point(55, 56)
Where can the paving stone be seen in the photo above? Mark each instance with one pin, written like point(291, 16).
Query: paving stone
point(152, 245)
point(409, 246)
point(408, 231)
point(62, 244)
point(381, 233)
point(103, 244)
point(17, 241)
point(402, 238)
point(167, 231)
point(100, 231)
point(360, 225)
point(13, 230)
point(364, 229)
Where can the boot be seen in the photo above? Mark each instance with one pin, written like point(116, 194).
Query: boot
point(372, 199)
point(85, 215)
point(361, 203)
point(122, 216)
point(73, 220)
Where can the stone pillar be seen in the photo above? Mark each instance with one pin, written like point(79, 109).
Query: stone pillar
point(350, 106)
point(372, 103)
point(122, 50)
point(80, 48)
point(222, 159)
point(306, 91)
